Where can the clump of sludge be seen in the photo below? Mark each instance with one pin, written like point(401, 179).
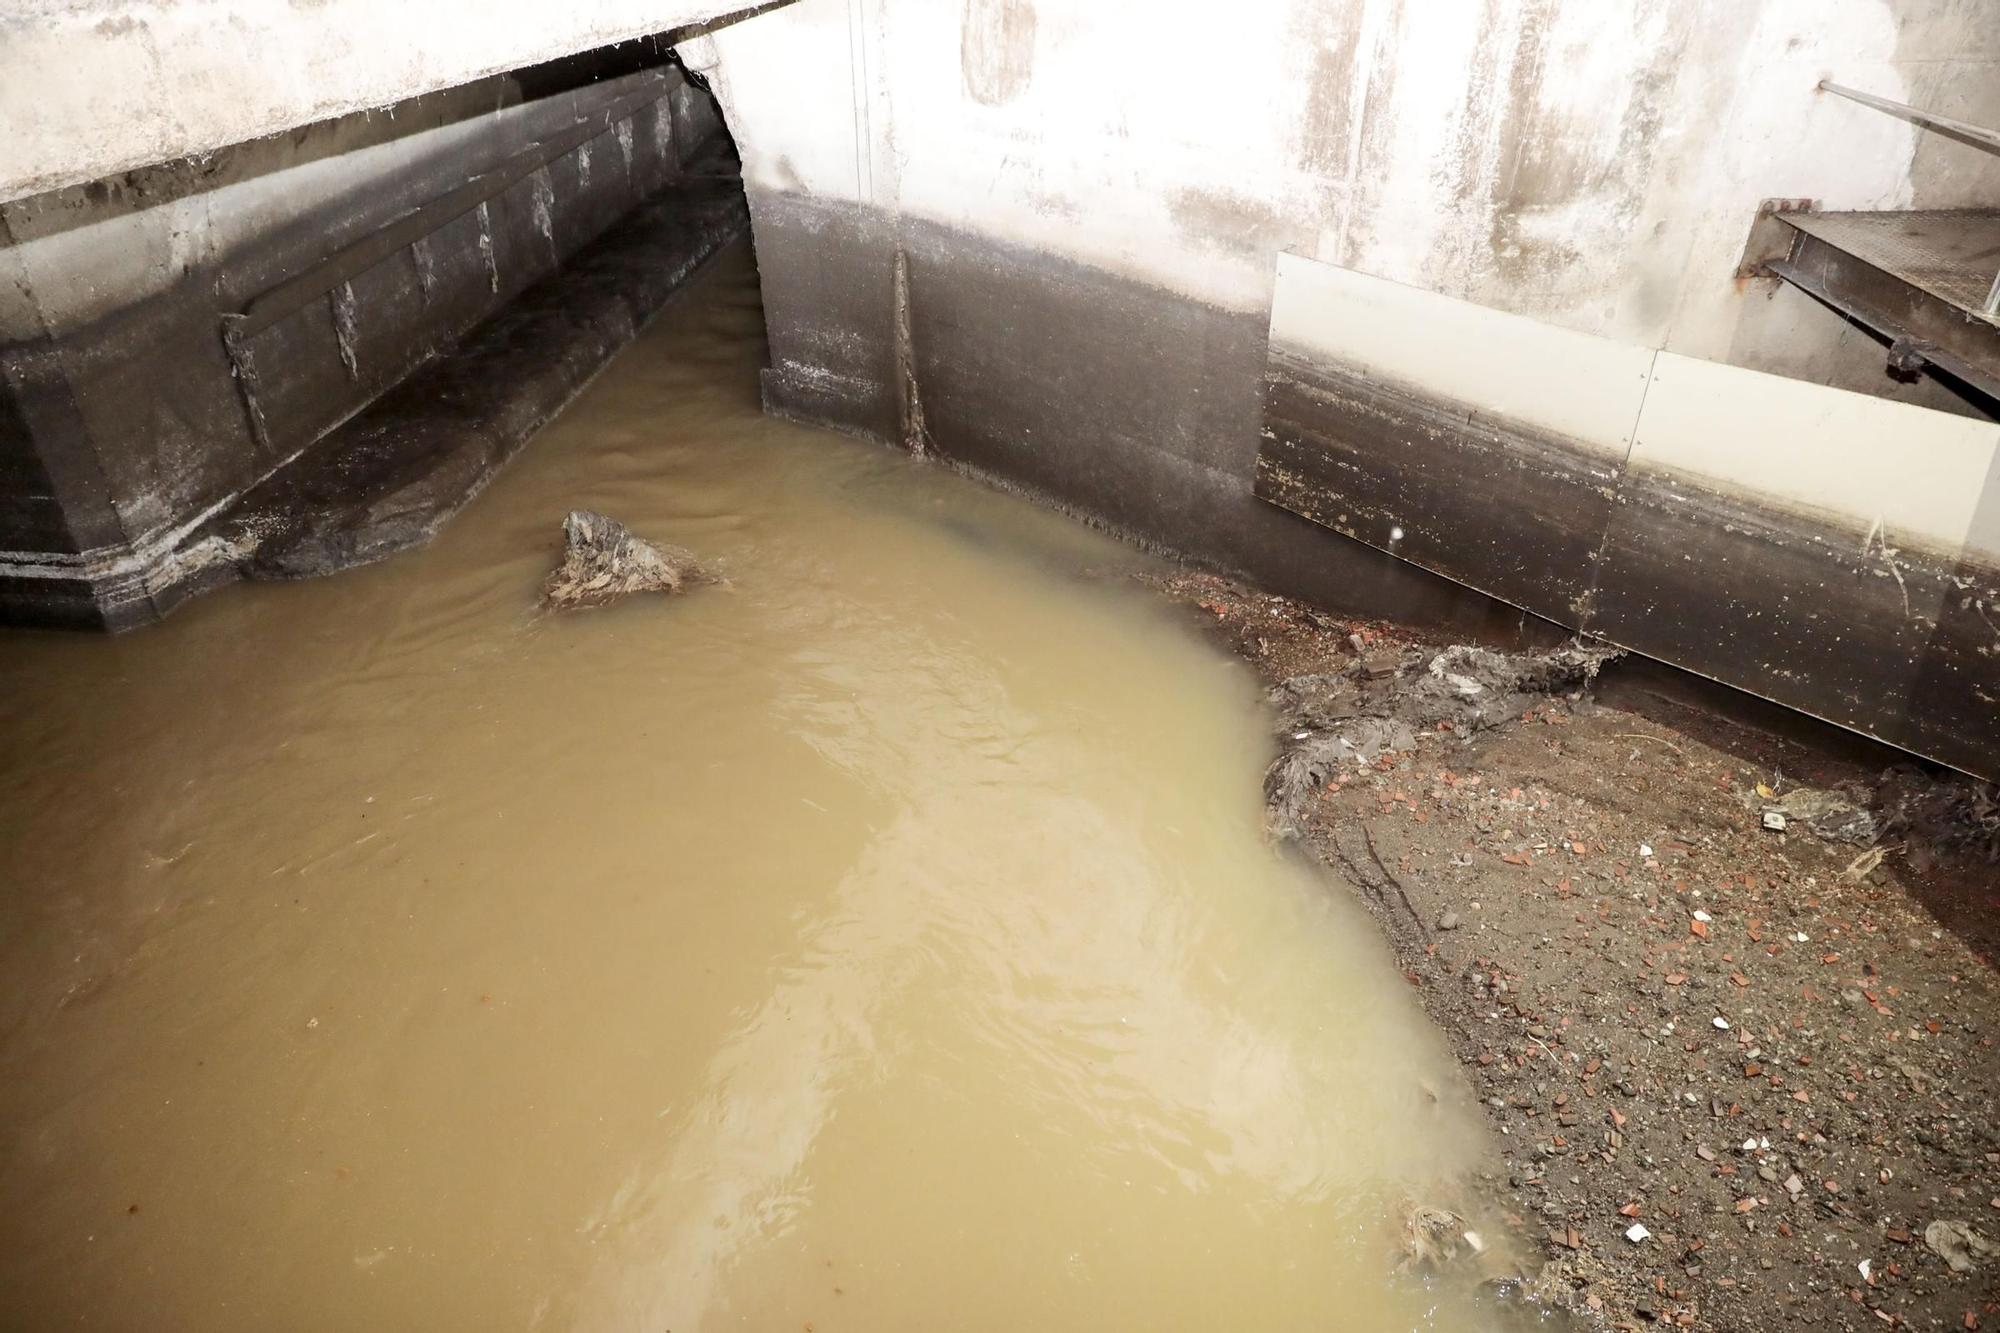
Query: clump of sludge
point(1337, 720)
point(1950, 814)
point(603, 561)
point(1433, 1237)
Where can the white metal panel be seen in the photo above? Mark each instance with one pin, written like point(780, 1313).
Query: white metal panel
point(1848, 457)
point(1501, 365)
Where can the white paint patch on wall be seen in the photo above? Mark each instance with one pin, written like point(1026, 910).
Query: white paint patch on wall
point(1586, 389)
point(1123, 149)
point(1861, 463)
point(1428, 141)
point(1823, 452)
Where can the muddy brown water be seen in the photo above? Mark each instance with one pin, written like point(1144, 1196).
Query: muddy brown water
point(886, 941)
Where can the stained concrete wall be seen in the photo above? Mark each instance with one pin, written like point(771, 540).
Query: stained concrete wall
point(93, 87)
point(1088, 199)
point(1593, 164)
point(125, 421)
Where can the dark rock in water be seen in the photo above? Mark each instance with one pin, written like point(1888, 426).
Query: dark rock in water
point(603, 561)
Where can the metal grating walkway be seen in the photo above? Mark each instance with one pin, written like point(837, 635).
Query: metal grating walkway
point(1953, 256)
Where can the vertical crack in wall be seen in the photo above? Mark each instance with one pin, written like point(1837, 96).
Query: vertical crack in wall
point(857, 43)
point(344, 330)
point(543, 208)
point(486, 247)
point(243, 367)
point(1585, 606)
point(425, 258)
point(909, 403)
point(665, 152)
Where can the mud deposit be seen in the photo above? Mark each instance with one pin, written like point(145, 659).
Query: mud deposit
point(884, 937)
point(1771, 1051)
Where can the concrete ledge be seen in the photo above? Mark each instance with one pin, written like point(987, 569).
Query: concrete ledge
point(143, 395)
point(395, 474)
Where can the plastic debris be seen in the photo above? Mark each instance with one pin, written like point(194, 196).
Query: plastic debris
point(1958, 1244)
point(1433, 1237)
point(1832, 815)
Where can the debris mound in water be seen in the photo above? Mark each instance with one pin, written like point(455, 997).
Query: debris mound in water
point(1433, 1237)
point(1340, 719)
point(603, 561)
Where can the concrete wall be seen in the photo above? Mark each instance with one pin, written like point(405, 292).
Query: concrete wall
point(125, 420)
point(1088, 199)
point(1594, 163)
point(92, 87)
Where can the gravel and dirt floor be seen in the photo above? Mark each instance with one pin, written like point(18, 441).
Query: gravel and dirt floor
point(1742, 1076)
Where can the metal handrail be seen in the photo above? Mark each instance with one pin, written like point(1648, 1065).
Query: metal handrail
point(1928, 119)
point(1978, 134)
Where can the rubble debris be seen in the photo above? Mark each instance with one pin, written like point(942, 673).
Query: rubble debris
point(1864, 865)
point(1519, 1302)
point(1833, 815)
point(1958, 1244)
point(1381, 666)
point(604, 561)
point(1319, 701)
point(1615, 898)
point(1952, 814)
point(1929, 814)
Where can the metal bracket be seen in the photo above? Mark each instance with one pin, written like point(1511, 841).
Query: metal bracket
point(1770, 239)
